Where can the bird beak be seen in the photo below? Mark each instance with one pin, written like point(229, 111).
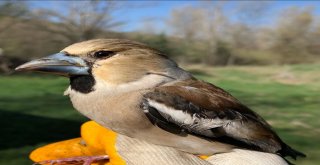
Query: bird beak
point(60, 64)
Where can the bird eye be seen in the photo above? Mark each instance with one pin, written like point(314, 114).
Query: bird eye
point(103, 54)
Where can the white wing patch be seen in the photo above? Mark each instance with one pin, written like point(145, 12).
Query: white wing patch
point(177, 115)
point(189, 121)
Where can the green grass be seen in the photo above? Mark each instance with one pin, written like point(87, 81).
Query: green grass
point(34, 112)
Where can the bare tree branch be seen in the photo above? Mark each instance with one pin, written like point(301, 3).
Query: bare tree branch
point(80, 20)
point(9, 12)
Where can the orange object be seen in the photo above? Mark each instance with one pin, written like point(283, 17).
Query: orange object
point(204, 157)
point(95, 140)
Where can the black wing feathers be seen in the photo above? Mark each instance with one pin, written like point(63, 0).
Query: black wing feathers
point(157, 119)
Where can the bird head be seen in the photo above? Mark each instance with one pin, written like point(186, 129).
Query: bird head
point(111, 62)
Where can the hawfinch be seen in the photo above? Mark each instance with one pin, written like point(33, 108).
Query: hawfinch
point(139, 92)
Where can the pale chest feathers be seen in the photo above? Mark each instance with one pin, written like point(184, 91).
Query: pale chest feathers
point(111, 105)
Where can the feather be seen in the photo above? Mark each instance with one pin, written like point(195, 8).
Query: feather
point(204, 110)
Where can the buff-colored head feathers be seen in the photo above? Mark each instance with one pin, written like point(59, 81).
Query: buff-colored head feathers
point(130, 62)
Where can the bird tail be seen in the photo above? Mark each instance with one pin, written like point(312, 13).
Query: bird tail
point(288, 151)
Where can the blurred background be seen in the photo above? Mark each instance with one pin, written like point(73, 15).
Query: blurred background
point(266, 53)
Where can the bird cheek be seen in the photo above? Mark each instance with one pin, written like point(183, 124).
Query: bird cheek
point(102, 74)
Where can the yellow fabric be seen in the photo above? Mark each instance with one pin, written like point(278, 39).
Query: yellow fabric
point(95, 140)
point(99, 137)
point(204, 157)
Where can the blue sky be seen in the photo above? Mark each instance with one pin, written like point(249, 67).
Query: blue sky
point(158, 11)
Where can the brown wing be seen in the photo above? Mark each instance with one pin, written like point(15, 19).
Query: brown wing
point(204, 110)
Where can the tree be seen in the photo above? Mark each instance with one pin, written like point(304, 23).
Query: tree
point(314, 38)
point(77, 21)
point(186, 21)
point(10, 12)
point(203, 30)
point(291, 34)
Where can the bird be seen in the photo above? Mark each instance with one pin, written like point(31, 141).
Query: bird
point(137, 91)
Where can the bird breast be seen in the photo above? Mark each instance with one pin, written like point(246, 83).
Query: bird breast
point(114, 106)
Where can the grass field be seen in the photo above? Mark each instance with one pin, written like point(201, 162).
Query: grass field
point(34, 112)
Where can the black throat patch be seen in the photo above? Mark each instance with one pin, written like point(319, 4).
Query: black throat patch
point(83, 84)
